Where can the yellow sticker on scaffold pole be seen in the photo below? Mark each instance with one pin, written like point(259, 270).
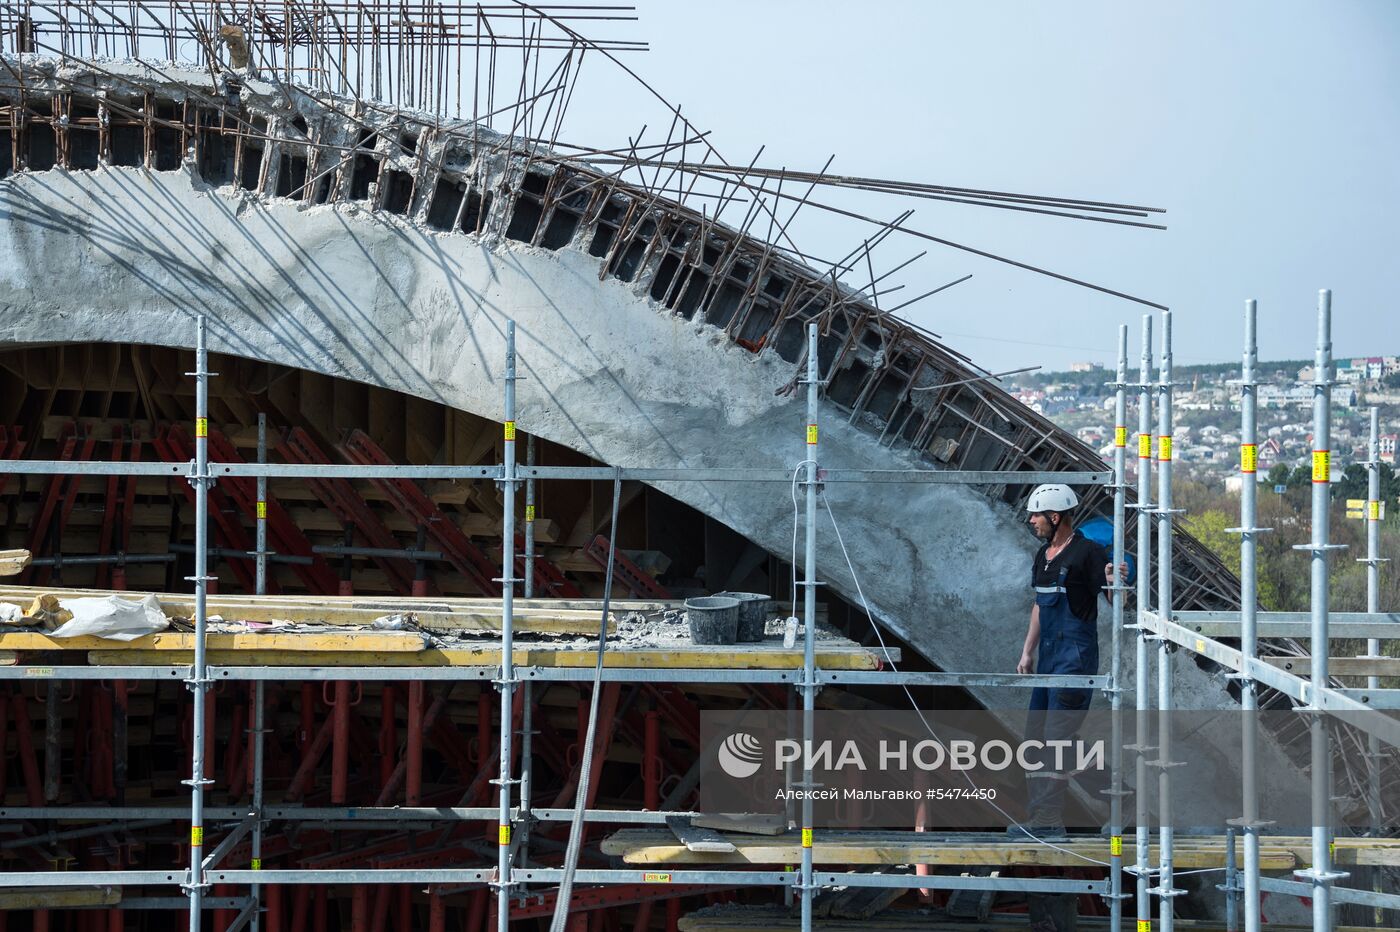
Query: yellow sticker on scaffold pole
point(529, 512)
point(262, 511)
point(1249, 457)
point(1164, 448)
point(1115, 846)
point(656, 878)
point(503, 835)
point(255, 864)
point(1373, 510)
point(196, 836)
point(806, 838)
point(509, 430)
point(1120, 436)
point(1322, 466)
point(201, 427)
point(811, 435)
point(1144, 925)
point(1144, 446)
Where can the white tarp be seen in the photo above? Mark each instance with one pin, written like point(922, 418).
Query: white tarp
point(11, 614)
point(112, 617)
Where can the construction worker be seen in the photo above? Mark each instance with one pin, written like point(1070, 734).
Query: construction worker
point(1068, 574)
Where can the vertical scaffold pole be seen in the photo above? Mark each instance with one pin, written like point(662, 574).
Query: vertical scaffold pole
point(261, 514)
point(1165, 890)
point(259, 697)
point(199, 681)
point(527, 742)
point(530, 520)
point(507, 681)
point(1142, 676)
point(1373, 563)
point(1321, 874)
point(1120, 504)
point(1249, 822)
point(809, 612)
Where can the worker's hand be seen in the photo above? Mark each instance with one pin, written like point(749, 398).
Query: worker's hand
point(1122, 573)
point(1027, 665)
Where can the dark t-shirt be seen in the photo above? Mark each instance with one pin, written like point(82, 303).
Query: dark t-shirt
point(1085, 561)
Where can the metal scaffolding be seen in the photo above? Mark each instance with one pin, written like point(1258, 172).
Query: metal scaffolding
point(513, 878)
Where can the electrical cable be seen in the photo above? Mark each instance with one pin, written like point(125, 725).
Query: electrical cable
point(796, 469)
point(571, 852)
point(915, 706)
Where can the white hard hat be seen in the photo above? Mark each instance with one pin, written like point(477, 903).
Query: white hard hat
point(1052, 498)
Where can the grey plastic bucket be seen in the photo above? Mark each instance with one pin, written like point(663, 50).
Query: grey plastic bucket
point(713, 619)
point(753, 613)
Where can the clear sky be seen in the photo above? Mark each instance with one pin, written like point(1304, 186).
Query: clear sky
point(1268, 129)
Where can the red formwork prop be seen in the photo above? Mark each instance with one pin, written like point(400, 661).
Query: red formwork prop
point(339, 495)
point(24, 742)
point(285, 536)
point(625, 572)
point(464, 556)
point(11, 446)
point(174, 447)
point(550, 581)
point(128, 514)
point(53, 495)
point(110, 507)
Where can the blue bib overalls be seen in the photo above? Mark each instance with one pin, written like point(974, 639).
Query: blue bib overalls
point(1068, 645)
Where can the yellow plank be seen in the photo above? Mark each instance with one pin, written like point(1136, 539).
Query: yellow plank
point(537, 621)
point(13, 562)
point(379, 641)
point(643, 846)
point(386, 603)
point(733, 918)
point(475, 657)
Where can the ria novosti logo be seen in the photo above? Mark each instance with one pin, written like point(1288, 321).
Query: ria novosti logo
point(740, 755)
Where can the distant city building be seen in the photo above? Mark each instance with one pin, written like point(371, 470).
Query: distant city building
point(1387, 445)
point(1085, 366)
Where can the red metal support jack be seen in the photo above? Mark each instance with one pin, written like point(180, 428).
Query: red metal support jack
point(414, 754)
point(110, 505)
point(174, 447)
point(349, 507)
point(637, 581)
point(340, 741)
point(466, 557)
point(318, 577)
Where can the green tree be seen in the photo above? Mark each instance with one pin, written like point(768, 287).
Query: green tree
point(1355, 483)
